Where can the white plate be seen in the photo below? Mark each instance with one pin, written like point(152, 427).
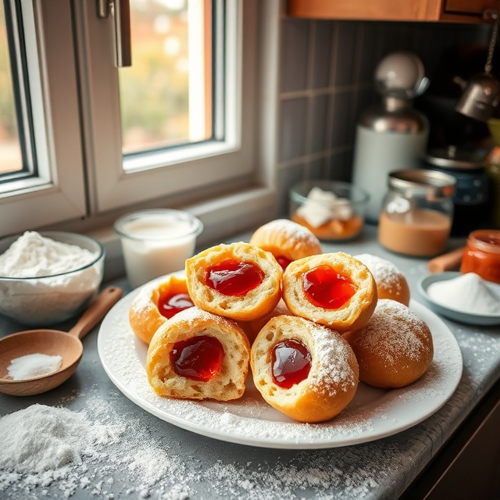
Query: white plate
point(463, 317)
point(372, 414)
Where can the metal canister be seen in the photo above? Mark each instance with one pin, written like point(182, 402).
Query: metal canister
point(471, 195)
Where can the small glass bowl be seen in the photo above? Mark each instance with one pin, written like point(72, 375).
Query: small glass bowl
point(47, 300)
point(332, 210)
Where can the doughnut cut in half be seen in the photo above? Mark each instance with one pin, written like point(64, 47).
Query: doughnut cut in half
point(155, 304)
point(332, 289)
point(286, 240)
point(198, 355)
point(238, 281)
point(394, 349)
point(304, 370)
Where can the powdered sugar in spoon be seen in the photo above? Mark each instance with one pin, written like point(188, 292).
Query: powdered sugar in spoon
point(68, 345)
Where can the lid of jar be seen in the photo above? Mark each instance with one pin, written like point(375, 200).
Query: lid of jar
point(455, 158)
point(429, 183)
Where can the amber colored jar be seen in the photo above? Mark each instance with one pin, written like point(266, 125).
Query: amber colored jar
point(482, 255)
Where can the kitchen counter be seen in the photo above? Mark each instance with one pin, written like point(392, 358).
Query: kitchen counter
point(154, 459)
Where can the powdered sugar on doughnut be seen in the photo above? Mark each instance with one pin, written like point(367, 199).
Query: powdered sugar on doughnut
point(300, 235)
point(142, 300)
point(392, 330)
point(194, 315)
point(384, 271)
point(332, 355)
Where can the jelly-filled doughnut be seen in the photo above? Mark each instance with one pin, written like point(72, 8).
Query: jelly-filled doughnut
point(238, 281)
point(155, 304)
point(332, 289)
point(302, 369)
point(394, 349)
point(286, 240)
point(198, 355)
point(391, 283)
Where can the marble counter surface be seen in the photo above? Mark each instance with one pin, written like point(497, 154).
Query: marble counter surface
point(148, 458)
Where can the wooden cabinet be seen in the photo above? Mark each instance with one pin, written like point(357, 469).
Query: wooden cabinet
point(465, 11)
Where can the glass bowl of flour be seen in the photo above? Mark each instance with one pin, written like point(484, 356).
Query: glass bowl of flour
point(48, 277)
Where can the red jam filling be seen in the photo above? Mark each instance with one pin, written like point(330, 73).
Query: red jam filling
point(232, 277)
point(198, 358)
point(327, 288)
point(283, 261)
point(291, 362)
point(170, 305)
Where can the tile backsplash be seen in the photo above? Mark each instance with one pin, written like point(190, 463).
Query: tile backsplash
point(326, 80)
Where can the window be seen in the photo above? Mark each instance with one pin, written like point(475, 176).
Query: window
point(91, 138)
point(47, 186)
point(10, 147)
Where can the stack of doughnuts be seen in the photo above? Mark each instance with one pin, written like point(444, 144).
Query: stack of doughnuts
point(310, 325)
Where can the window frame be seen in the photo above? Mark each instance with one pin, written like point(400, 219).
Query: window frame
point(55, 194)
point(174, 170)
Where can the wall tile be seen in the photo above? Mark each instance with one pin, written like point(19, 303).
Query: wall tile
point(323, 44)
point(293, 128)
point(294, 54)
point(342, 118)
point(347, 53)
point(319, 123)
point(318, 169)
point(341, 166)
point(370, 52)
point(287, 177)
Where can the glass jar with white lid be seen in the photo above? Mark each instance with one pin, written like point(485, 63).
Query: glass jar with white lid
point(417, 212)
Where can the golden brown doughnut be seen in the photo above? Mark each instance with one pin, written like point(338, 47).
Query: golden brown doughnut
point(394, 349)
point(238, 281)
point(148, 309)
point(303, 369)
point(332, 289)
point(391, 282)
point(252, 328)
point(286, 240)
point(198, 355)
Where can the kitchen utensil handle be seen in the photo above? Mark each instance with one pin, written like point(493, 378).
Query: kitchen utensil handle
point(446, 262)
point(96, 311)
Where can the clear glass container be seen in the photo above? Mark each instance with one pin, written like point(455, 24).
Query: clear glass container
point(417, 212)
point(332, 210)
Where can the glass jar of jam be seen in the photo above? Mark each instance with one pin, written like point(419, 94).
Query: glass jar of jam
point(482, 255)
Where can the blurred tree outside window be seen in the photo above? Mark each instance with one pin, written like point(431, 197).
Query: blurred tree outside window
point(166, 95)
point(10, 148)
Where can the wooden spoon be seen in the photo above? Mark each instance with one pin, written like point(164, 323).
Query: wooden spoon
point(54, 343)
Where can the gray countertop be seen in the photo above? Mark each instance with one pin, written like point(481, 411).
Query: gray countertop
point(150, 458)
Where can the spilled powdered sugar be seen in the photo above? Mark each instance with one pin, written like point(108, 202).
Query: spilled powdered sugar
point(56, 452)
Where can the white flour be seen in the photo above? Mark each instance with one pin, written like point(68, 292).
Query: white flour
point(33, 255)
point(467, 293)
point(46, 298)
point(33, 365)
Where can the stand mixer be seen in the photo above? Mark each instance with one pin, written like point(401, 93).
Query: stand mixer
point(390, 135)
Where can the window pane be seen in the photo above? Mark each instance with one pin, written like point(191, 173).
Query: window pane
point(10, 148)
point(166, 96)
